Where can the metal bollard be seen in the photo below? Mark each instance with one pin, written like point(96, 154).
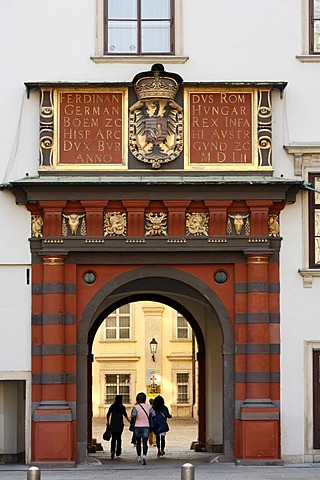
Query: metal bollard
point(33, 473)
point(187, 471)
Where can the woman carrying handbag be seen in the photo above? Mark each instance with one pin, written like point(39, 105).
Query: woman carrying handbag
point(116, 412)
point(140, 417)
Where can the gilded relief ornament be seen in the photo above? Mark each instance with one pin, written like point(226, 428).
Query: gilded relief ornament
point(197, 223)
point(156, 224)
point(46, 127)
point(36, 226)
point(156, 120)
point(73, 221)
point(239, 221)
point(274, 227)
point(115, 223)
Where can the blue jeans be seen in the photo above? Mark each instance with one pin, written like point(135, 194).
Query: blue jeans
point(142, 433)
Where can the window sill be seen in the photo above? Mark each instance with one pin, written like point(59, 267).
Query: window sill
point(308, 274)
point(117, 340)
point(181, 340)
point(117, 358)
point(138, 59)
point(308, 58)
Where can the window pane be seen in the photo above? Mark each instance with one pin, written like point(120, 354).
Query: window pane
point(155, 37)
point(182, 322)
point(111, 390)
point(124, 333)
point(111, 378)
point(111, 322)
point(122, 37)
point(317, 250)
point(122, 9)
point(124, 378)
point(317, 187)
point(155, 9)
point(182, 377)
point(124, 322)
point(316, 36)
point(125, 308)
point(182, 333)
point(111, 333)
point(317, 223)
point(317, 9)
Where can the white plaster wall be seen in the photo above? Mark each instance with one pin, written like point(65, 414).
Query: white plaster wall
point(225, 41)
point(15, 313)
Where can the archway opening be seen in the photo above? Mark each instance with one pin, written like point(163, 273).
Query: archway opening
point(146, 346)
point(211, 327)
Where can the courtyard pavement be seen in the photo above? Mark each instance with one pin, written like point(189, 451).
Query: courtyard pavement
point(170, 467)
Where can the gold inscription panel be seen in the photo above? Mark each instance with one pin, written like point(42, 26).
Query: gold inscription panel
point(91, 128)
point(220, 129)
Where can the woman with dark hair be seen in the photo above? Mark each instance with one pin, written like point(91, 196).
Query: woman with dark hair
point(159, 415)
point(140, 414)
point(116, 411)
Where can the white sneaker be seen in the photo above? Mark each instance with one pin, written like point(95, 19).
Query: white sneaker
point(144, 460)
point(139, 459)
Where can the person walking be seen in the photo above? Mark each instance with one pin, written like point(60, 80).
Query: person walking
point(159, 414)
point(152, 437)
point(115, 416)
point(140, 415)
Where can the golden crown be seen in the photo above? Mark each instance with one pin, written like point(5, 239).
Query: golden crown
point(156, 84)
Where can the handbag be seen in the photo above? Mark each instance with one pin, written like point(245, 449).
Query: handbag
point(132, 424)
point(107, 434)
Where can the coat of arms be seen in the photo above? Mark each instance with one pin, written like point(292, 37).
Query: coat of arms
point(156, 120)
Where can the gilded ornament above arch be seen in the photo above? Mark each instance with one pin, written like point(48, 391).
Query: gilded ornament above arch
point(73, 224)
point(115, 224)
point(156, 224)
point(238, 224)
point(197, 223)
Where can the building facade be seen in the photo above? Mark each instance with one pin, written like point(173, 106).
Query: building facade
point(161, 153)
point(145, 346)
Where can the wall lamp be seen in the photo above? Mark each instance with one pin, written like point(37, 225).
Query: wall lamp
point(153, 348)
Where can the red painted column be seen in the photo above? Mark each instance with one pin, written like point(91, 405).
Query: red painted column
point(52, 418)
point(176, 217)
point(217, 216)
point(52, 217)
point(259, 213)
point(94, 217)
point(135, 211)
point(259, 417)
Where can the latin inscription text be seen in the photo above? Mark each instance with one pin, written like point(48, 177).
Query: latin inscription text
point(90, 128)
point(220, 127)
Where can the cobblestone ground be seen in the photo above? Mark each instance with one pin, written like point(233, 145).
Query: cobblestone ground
point(181, 435)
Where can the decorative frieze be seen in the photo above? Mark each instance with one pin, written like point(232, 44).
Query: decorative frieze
point(177, 224)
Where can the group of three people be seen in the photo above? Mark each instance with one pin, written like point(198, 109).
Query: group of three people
point(146, 419)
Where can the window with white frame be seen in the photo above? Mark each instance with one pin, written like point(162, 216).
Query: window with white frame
point(118, 384)
point(118, 324)
point(314, 13)
point(314, 222)
point(183, 330)
point(139, 27)
point(182, 387)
